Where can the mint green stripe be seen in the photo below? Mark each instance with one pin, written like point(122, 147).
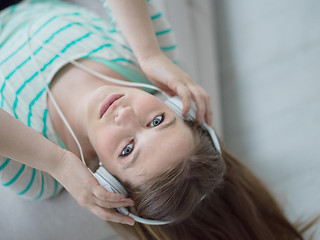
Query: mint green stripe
point(13, 8)
point(49, 63)
point(18, 92)
point(5, 80)
point(4, 164)
point(55, 188)
point(62, 29)
point(168, 48)
point(30, 183)
point(60, 142)
point(42, 186)
point(96, 27)
point(156, 16)
point(44, 119)
point(128, 48)
point(31, 105)
point(19, 66)
point(96, 19)
point(112, 30)
point(99, 48)
point(121, 60)
point(1, 93)
point(163, 32)
point(15, 177)
point(75, 41)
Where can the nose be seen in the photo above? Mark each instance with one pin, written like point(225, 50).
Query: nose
point(126, 116)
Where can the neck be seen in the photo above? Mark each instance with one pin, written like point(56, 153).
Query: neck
point(70, 90)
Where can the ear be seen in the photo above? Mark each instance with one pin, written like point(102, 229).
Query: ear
point(108, 181)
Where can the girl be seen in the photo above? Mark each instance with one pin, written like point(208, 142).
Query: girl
point(169, 166)
point(29, 32)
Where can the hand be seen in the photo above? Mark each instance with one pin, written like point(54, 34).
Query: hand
point(83, 187)
point(167, 76)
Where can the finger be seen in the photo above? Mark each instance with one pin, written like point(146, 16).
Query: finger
point(101, 193)
point(208, 115)
point(185, 95)
point(105, 204)
point(109, 215)
point(208, 108)
point(198, 97)
point(170, 93)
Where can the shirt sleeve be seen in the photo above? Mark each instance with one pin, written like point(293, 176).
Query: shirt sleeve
point(26, 181)
point(163, 30)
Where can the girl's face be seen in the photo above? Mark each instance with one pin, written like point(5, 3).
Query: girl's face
point(138, 137)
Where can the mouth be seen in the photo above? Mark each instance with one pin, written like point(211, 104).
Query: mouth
point(109, 103)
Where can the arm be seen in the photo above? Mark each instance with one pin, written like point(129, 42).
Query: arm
point(134, 20)
point(26, 146)
point(23, 144)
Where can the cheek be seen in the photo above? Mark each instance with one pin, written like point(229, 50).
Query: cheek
point(106, 148)
point(147, 102)
point(104, 142)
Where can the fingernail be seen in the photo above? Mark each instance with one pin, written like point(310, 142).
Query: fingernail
point(129, 201)
point(131, 223)
point(125, 199)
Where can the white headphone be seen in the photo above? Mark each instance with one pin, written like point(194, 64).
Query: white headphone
point(106, 179)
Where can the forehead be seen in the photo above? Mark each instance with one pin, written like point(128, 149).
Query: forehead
point(169, 148)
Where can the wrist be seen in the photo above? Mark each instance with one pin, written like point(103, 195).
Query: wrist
point(146, 54)
point(58, 162)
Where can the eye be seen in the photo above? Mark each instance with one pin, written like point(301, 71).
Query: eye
point(157, 120)
point(127, 150)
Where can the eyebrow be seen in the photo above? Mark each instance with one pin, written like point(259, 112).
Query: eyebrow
point(161, 127)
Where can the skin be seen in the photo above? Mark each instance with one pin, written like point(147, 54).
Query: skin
point(131, 121)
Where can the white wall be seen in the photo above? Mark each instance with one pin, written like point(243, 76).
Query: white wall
point(270, 74)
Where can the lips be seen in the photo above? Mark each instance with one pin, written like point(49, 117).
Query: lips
point(109, 103)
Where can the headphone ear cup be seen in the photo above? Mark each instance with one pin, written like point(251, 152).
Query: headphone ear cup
point(175, 103)
point(108, 181)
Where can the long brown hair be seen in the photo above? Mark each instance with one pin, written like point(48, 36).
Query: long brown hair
point(209, 196)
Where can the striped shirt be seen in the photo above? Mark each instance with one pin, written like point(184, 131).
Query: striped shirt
point(37, 38)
